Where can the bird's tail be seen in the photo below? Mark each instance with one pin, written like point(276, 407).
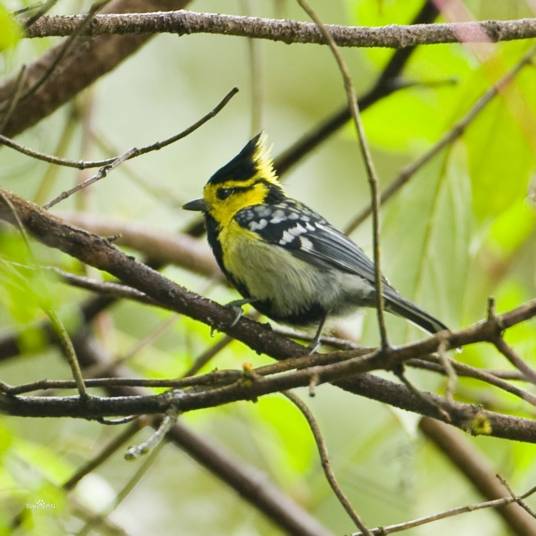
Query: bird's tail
point(401, 307)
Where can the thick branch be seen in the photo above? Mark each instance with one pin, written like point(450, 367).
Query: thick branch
point(288, 31)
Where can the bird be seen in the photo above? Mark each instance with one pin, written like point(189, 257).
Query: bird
point(284, 258)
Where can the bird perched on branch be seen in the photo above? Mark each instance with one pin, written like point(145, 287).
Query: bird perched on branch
point(284, 258)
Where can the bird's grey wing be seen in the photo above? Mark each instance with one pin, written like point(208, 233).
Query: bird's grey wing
point(308, 236)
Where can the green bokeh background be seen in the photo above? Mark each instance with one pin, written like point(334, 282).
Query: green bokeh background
point(461, 230)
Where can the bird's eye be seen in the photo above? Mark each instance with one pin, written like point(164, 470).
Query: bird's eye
point(224, 193)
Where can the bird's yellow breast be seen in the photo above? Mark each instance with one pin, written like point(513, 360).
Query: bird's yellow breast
point(268, 271)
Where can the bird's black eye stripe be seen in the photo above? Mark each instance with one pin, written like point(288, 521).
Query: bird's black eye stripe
point(224, 193)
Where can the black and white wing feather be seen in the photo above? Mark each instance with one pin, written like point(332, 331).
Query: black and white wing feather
point(308, 236)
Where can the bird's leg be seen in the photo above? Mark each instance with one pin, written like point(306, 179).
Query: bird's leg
point(315, 343)
point(236, 307)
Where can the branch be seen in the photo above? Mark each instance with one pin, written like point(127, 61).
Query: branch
point(252, 485)
point(479, 473)
point(288, 31)
point(101, 254)
point(419, 522)
point(324, 460)
point(85, 64)
point(108, 164)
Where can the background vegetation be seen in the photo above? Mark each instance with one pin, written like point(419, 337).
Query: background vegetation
point(461, 230)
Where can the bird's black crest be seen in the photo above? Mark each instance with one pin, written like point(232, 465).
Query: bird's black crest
point(241, 167)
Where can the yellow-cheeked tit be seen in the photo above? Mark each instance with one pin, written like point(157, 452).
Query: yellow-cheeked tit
point(284, 258)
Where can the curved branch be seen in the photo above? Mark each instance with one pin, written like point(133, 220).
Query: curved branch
point(288, 31)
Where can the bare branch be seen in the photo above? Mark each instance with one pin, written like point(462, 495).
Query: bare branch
point(478, 472)
point(165, 425)
point(69, 351)
point(288, 31)
point(101, 174)
point(510, 354)
point(131, 153)
point(102, 254)
point(496, 503)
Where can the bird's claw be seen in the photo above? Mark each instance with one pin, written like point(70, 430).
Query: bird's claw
point(236, 307)
point(312, 347)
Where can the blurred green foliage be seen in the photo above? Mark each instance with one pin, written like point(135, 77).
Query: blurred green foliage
point(461, 230)
point(10, 31)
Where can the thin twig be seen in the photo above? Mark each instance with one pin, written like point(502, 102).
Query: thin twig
point(510, 354)
point(449, 137)
point(168, 420)
point(68, 350)
point(324, 460)
point(477, 469)
point(81, 164)
point(14, 99)
point(491, 377)
point(369, 165)
point(399, 527)
point(101, 174)
point(518, 500)
point(446, 362)
point(505, 349)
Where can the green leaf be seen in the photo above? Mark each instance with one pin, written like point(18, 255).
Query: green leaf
point(53, 467)
point(512, 228)
point(10, 30)
point(501, 160)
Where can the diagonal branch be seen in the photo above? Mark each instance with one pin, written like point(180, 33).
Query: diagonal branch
point(448, 138)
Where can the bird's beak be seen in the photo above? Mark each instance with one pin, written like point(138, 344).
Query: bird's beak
point(198, 205)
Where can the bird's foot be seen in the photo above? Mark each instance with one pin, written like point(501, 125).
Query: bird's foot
point(314, 345)
point(236, 307)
